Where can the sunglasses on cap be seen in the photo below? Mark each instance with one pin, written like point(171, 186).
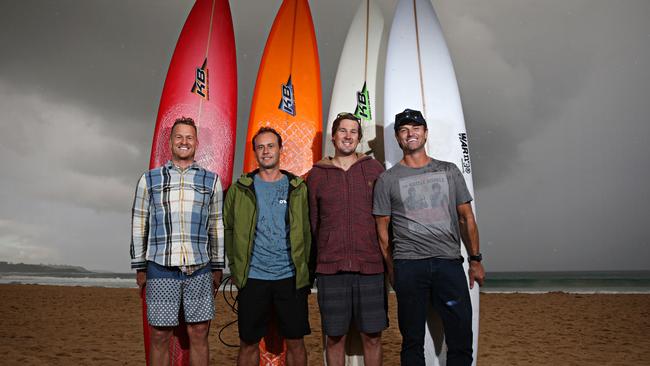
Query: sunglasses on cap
point(348, 115)
point(409, 116)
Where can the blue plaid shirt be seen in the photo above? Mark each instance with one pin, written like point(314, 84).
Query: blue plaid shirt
point(177, 218)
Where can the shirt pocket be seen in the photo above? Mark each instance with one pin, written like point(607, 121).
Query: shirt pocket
point(200, 189)
point(367, 246)
point(164, 195)
point(201, 196)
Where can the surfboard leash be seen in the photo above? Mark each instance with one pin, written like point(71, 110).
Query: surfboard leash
point(417, 42)
point(207, 51)
point(231, 301)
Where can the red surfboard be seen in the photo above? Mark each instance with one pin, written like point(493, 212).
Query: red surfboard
point(201, 83)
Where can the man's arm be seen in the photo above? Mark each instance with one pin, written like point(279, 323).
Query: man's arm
point(216, 235)
point(469, 234)
point(382, 223)
point(140, 231)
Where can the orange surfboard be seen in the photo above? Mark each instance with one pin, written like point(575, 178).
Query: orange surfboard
point(288, 98)
point(287, 93)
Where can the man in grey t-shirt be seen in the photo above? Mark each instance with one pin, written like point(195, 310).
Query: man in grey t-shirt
point(428, 205)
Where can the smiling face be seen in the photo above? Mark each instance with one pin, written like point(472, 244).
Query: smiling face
point(183, 143)
point(267, 150)
point(411, 138)
point(346, 137)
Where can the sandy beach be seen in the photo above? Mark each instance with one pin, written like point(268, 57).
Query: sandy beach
point(55, 325)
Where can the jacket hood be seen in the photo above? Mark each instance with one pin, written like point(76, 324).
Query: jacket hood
point(327, 163)
point(246, 179)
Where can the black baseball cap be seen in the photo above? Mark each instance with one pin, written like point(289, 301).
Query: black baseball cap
point(409, 117)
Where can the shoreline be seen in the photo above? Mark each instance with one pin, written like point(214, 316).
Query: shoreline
point(129, 283)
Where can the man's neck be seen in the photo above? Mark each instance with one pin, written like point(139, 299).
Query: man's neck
point(270, 175)
point(416, 159)
point(344, 161)
point(182, 164)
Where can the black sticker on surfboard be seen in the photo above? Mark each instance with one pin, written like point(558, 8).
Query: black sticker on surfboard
point(363, 110)
point(464, 145)
point(200, 86)
point(288, 102)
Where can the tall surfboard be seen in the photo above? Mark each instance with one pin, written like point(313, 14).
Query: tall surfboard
point(355, 92)
point(201, 83)
point(287, 93)
point(420, 75)
point(356, 78)
point(287, 97)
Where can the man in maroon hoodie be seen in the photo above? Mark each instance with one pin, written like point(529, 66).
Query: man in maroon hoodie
point(349, 263)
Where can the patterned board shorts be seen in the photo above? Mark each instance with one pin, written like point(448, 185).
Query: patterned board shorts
point(347, 297)
point(168, 288)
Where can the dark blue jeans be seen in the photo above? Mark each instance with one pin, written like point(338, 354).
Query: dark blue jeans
point(441, 283)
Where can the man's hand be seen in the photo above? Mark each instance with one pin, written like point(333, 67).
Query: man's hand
point(390, 275)
point(216, 280)
point(141, 279)
point(476, 273)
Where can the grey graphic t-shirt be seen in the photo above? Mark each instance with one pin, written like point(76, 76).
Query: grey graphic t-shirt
point(271, 257)
point(422, 205)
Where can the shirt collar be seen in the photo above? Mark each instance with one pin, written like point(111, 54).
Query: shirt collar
point(170, 165)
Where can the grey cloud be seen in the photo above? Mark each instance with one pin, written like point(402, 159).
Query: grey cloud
point(58, 152)
point(101, 53)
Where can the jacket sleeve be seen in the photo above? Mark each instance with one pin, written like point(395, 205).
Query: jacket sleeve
point(215, 231)
point(140, 225)
point(228, 224)
point(310, 252)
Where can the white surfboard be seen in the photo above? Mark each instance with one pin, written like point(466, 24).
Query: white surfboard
point(355, 92)
point(356, 78)
point(420, 75)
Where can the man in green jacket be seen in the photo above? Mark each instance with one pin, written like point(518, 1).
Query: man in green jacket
point(267, 239)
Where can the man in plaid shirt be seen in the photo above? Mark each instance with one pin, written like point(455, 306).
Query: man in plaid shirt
point(177, 245)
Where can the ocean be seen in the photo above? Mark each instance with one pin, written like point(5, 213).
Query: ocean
point(114, 280)
point(572, 282)
point(496, 282)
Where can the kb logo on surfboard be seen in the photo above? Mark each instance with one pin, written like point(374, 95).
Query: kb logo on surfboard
point(200, 86)
point(466, 164)
point(363, 104)
point(288, 103)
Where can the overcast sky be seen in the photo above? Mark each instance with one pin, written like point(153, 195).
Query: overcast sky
point(555, 94)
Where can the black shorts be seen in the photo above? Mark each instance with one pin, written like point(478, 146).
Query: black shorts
point(259, 297)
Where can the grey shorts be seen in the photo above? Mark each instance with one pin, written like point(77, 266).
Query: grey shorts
point(168, 289)
point(347, 297)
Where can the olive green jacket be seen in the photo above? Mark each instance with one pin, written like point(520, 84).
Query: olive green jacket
point(240, 219)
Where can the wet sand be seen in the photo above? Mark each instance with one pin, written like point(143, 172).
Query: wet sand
point(56, 325)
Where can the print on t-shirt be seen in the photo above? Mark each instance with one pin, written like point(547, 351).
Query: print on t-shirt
point(426, 201)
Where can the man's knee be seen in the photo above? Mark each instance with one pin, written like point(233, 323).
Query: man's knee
point(333, 341)
point(295, 344)
point(248, 347)
point(160, 335)
point(198, 330)
point(371, 339)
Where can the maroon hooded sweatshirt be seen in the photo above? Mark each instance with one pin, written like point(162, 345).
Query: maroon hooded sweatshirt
point(340, 211)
